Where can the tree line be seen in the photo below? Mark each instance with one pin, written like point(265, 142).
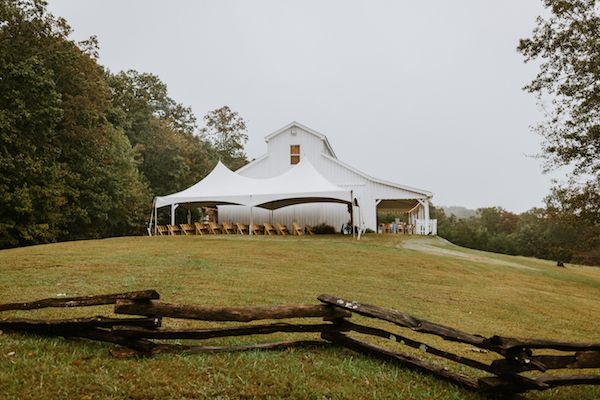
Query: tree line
point(82, 150)
point(548, 232)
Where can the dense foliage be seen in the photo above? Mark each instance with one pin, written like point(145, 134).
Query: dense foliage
point(566, 43)
point(549, 232)
point(65, 172)
point(162, 132)
point(82, 151)
point(226, 131)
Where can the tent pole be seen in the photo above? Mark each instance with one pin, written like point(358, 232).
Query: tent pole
point(172, 214)
point(155, 219)
point(189, 216)
point(150, 222)
point(251, 219)
point(251, 223)
point(352, 212)
point(359, 225)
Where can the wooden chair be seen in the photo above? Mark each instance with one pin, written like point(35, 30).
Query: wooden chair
point(282, 229)
point(410, 229)
point(241, 228)
point(308, 229)
point(296, 230)
point(269, 230)
point(214, 228)
point(187, 229)
point(257, 229)
point(227, 228)
point(162, 230)
point(401, 227)
point(201, 229)
point(385, 228)
point(174, 230)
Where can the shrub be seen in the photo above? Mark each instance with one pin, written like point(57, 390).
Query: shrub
point(324, 229)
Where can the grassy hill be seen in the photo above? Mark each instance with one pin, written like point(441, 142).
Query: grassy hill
point(475, 291)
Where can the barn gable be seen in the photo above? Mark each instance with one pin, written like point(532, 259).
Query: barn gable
point(293, 138)
point(297, 130)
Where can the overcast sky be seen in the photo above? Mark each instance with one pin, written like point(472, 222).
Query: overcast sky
point(422, 93)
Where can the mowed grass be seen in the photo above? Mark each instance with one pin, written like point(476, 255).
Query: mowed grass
point(467, 293)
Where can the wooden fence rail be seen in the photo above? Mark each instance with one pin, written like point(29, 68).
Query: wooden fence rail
point(81, 301)
point(518, 353)
point(133, 331)
point(137, 335)
point(240, 314)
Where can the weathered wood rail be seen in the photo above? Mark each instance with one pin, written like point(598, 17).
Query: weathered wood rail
point(241, 314)
point(137, 334)
point(517, 353)
point(81, 301)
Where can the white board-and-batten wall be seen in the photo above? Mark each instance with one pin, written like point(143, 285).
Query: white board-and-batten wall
point(316, 148)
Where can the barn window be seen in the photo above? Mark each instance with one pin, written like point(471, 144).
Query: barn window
point(294, 154)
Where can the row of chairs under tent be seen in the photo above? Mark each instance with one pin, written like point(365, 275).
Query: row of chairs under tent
point(226, 228)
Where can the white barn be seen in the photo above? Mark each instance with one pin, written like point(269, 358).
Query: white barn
point(294, 142)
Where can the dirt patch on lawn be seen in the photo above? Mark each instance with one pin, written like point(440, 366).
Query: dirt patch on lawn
point(427, 247)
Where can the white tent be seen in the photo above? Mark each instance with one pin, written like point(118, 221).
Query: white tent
point(300, 184)
point(221, 186)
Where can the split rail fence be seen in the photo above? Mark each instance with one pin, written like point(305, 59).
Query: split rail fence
point(142, 334)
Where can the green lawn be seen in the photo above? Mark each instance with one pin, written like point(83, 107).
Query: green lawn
point(475, 291)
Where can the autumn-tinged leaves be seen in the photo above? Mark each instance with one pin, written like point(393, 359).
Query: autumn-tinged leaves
point(83, 151)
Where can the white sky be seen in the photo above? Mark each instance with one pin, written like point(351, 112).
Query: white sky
point(423, 93)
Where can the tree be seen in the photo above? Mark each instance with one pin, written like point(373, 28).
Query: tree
point(140, 97)
point(226, 130)
point(568, 44)
point(171, 156)
point(30, 109)
point(568, 87)
point(65, 171)
point(575, 214)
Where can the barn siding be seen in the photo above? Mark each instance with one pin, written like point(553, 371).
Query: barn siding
point(303, 214)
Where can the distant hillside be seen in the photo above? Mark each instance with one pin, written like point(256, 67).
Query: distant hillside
point(459, 212)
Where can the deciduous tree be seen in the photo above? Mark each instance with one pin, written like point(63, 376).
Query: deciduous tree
point(65, 171)
point(226, 130)
point(567, 45)
point(171, 155)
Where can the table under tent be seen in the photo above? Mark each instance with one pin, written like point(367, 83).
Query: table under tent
point(301, 184)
